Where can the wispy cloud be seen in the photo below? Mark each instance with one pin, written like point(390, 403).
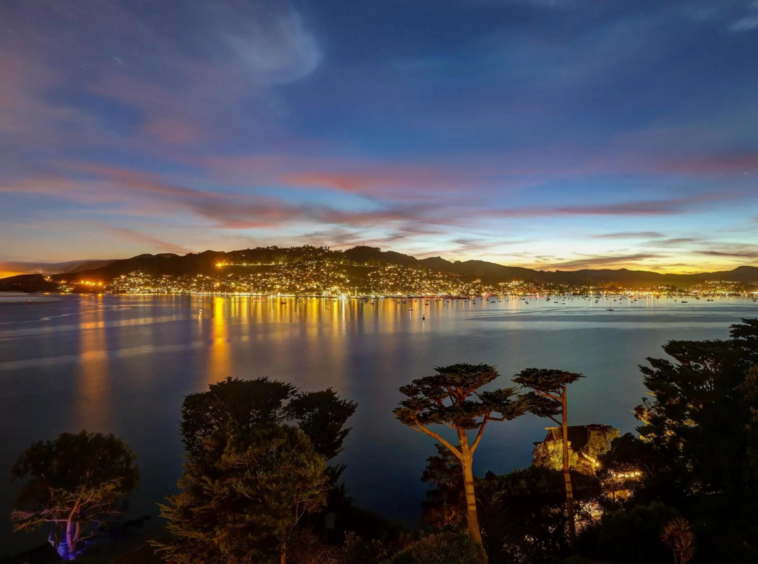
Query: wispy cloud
point(277, 49)
point(596, 261)
point(146, 240)
point(707, 164)
point(748, 22)
point(672, 206)
point(732, 250)
point(214, 79)
point(630, 235)
point(385, 180)
point(675, 241)
point(131, 188)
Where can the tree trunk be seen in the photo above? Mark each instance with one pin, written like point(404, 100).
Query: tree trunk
point(567, 476)
point(467, 462)
point(68, 538)
point(72, 538)
point(283, 557)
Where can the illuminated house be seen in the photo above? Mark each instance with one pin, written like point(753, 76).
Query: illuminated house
point(586, 444)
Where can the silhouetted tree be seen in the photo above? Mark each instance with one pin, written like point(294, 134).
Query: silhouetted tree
point(250, 477)
point(75, 484)
point(699, 436)
point(229, 407)
point(234, 405)
point(745, 336)
point(548, 399)
point(322, 416)
point(448, 398)
point(244, 507)
point(750, 388)
point(697, 418)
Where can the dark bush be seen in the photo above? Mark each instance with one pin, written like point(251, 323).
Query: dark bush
point(445, 548)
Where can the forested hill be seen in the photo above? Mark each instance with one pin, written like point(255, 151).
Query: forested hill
point(490, 273)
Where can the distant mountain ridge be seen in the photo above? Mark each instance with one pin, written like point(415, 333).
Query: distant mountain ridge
point(489, 272)
point(52, 267)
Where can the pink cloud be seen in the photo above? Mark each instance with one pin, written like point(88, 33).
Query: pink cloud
point(711, 164)
point(671, 206)
point(371, 180)
point(146, 239)
point(232, 211)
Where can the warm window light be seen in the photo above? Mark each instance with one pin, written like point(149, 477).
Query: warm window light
point(626, 475)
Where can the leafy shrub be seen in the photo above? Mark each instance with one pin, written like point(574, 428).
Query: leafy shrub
point(445, 548)
point(634, 535)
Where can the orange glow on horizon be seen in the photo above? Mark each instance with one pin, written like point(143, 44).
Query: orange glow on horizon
point(9, 273)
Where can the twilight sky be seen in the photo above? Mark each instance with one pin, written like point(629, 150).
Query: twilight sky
point(544, 133)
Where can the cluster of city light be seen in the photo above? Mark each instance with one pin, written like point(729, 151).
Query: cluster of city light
point(396, 280)
point(323, 278)
point(713, 288)
point(318, 271)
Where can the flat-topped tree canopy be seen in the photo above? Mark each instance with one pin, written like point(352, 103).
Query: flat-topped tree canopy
point(548, 399)
point(450, 397)
point(446, 398)
point(548, 384)
point(546, 379)
point(544, 407)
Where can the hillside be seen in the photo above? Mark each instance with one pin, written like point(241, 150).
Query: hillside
point(369, 259)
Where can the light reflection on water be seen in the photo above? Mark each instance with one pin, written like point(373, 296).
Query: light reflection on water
point(124, 365)
point(93, 379)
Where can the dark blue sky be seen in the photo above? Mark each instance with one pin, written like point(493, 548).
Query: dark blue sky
point(546, 133)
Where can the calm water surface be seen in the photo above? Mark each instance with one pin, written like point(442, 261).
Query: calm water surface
point(124, 365)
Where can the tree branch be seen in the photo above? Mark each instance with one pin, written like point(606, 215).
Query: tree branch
point(479, 434)
point(559, 423)
point(546, 395)
point(434, 435)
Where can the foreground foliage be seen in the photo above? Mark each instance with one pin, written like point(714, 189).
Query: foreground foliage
point(250, 477)
point(236, 406)
point(696, 453)
point(524, 515)
point(443, 548)
point(75, 483)
point(245, 507)
point(444, 508)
